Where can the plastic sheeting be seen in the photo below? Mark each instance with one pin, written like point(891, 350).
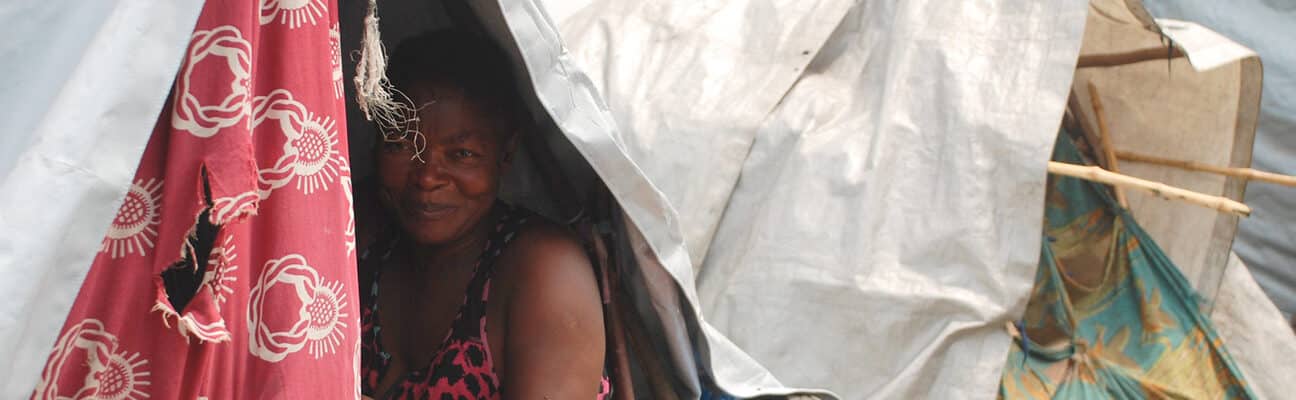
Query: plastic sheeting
point(82, 85)
point(1259, 339)
point(876, 236)
point(1266, 241)
point(690, 85)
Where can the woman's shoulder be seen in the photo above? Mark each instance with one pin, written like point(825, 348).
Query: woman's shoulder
point(546, 255)
point(543, 243)
point(552, 310)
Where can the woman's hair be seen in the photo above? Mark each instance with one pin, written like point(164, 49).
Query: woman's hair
point(458, 58)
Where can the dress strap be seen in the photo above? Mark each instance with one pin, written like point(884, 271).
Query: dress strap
point(506, 229)
point(472, 313)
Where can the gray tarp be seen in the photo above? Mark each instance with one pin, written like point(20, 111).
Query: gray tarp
point(81, 86)
point(1257, 337)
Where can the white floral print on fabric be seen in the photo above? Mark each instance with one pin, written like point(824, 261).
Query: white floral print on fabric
point(335, 57)
point(320, 318)
point(134, 228)
point(193, 325)
point(293, 13)
point(350, 230)
point(310, 151)
point(224, 209)
point(111, 372)
point(214, 55)
point(219, 277)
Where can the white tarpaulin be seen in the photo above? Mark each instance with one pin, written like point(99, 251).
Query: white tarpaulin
point(885, 220)
point(81, 87)
point(1257, 337)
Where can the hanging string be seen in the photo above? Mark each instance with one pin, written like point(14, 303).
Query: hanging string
point(389, 108)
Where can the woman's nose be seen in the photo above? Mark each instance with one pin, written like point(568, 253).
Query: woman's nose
point(431, 173)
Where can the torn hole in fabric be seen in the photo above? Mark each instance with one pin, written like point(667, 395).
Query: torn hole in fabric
point(191, 291)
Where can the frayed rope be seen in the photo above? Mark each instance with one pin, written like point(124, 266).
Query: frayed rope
point(394, 112)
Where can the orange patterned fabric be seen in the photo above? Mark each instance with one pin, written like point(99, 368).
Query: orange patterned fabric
point(1123, 324)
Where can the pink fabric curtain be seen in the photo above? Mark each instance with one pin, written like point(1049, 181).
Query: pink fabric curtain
point(254, 142)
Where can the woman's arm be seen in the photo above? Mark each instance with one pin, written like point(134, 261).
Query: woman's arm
point(554, 342)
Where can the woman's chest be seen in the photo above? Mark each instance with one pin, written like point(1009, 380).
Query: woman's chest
point(416, 320)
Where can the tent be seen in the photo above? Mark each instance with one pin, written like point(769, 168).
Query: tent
point(827, 192)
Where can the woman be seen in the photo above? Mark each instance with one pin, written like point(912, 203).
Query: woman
point(477, 299)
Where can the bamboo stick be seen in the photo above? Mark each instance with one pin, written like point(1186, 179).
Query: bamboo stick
point(1104, 136)
point(1095, 174)
point(1128, 57)
point(1086, 127)
point(1012, 330)
point(1244, 173)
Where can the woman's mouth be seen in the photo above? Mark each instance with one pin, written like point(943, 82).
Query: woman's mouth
point(430, 211)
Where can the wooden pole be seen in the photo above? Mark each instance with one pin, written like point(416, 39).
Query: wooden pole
point(1086, 127)
point(1108, 149)
point(1244, 173)
point(1129, 57)
point(615, 340)
point(1095, 174)
point(1012, 330)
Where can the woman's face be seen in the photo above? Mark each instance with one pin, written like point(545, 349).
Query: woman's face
point(445, 195)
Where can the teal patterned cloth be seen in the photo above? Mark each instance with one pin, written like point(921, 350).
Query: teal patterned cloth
point(1110, 315)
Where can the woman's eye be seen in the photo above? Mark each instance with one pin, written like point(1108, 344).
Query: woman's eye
point(463, 153)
